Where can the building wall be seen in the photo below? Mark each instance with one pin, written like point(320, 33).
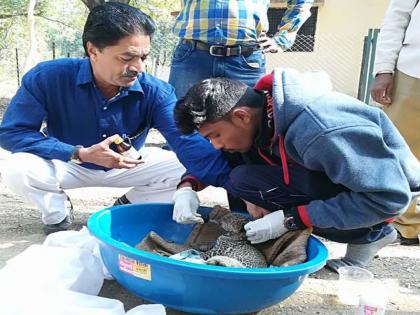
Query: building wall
point(340, 31)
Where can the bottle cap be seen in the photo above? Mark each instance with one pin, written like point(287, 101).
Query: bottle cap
point(118, 140)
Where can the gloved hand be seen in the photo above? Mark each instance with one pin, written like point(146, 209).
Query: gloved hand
point(268, 227)
point(186, 203)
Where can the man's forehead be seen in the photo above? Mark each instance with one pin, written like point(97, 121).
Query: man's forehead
point(204, 129)
point(136, 51)
point(209, 128)
point(133, 45)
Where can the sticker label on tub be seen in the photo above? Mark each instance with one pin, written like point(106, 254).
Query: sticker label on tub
point(134, 267)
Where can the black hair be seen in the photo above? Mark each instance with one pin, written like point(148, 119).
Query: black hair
point(211, 100)
point(107, 23)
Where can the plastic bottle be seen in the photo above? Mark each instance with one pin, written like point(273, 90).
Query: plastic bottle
point(126, 149)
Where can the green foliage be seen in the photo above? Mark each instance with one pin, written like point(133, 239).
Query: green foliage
point(60, 23)
point(10, 7)
point(163, 41)
point(158, 9)
point(93, 3)
point(64, 28)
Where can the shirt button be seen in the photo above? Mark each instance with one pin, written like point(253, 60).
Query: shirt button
point(104, 135)
point(105, 108)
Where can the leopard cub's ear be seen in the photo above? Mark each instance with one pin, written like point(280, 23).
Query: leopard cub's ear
point(217, 213)
point(233, 222)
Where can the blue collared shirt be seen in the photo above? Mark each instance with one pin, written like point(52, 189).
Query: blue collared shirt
point(63, 93)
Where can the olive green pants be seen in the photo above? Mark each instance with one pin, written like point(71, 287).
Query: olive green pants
point(405, 114)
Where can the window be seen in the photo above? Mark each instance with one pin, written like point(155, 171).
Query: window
point(305, 38)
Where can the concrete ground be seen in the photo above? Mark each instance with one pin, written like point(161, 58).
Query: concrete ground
point(398, 267)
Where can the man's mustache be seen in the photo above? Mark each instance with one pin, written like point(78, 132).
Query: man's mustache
point(130, 74)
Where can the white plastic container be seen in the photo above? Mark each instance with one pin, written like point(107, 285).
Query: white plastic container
point(352, 284)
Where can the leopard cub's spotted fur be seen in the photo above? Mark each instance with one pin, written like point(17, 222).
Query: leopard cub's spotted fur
point(232, 249)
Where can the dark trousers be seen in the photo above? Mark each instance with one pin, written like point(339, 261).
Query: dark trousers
point(263, 186)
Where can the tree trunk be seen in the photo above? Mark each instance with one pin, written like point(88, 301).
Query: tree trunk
point(30, 60)
point(93, 3)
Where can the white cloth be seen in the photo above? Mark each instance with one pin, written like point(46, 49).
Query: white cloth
point(398, 45)
point(43, 182)
point(54, 267)
point(61, 277)
point(81, 240)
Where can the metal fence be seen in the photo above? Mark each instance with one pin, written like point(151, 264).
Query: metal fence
point(366, 75)
point(12, 62)
point(338, 55)
point(8, 68)
point(341, 56)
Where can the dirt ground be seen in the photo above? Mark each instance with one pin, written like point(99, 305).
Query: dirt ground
point(397, 266)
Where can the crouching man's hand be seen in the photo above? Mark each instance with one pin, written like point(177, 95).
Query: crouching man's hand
point(255, 211)
point(268, 227)
point(186, 203)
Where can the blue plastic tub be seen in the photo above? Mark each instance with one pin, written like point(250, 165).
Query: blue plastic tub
point(189, 287)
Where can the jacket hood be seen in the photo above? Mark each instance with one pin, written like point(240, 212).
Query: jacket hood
point(294, 91)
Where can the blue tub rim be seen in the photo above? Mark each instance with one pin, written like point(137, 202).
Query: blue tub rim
point(308, 267)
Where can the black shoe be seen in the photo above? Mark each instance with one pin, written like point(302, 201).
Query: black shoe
point(64, 225)
point(401, 240)
point(122, 201)
point(409, 241)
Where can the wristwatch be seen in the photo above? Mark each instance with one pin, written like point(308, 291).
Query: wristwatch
point(289, 223)
point(75, 158)
point(384, 72)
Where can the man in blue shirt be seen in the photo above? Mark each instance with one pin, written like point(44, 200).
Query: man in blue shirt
point(87, 104)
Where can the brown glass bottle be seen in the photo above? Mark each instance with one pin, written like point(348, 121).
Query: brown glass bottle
point(126, 149)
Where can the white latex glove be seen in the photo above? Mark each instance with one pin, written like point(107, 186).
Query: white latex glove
point(186, 203)
point(268, 227)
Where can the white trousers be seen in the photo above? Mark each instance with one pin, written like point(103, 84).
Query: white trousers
point(42, 182)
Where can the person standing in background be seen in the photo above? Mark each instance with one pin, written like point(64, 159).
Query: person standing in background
point(397, 88)
point(229, 39)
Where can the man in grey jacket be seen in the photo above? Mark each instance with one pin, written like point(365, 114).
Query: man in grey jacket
point(312, 157)
point(397, 88)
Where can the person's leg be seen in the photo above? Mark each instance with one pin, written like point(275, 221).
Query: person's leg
point(188, 67)
point(405, 114)
point(405, 109)
point(263, 185)
point(247, 69)
point(154, 180)
point(360, 254)
point(42, 182)
point(35, 179)
point(408, 224)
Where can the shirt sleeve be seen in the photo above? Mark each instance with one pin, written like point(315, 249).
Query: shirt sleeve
point(357, 158)
point(20, 128)
point(197, 154)
point(298, 11)
point(391, 36)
